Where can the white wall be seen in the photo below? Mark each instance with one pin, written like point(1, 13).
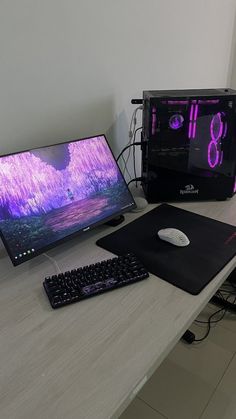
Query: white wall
point(68, 68)
point(232, 61)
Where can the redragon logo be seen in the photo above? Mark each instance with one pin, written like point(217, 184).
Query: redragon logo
point(188, 189)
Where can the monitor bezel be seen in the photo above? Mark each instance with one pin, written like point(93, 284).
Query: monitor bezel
point(80, 231)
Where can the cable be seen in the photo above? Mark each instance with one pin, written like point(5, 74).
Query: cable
point(133, 121)
point(132, 127)
point(132, 140)
point(133, 137)
point(212, 321)
point(125, 167)
point(54, 262)
point(209, 323)
point(136, 179)
point(134, 157)
point(222, 296)
point(225, 303)
point(226, 292)
point(134, 163)
point(189, 337)
point(125, 148)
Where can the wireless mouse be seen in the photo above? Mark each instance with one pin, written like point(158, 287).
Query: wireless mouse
point(173, 236)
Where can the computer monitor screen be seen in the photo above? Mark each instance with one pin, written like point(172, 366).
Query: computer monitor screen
point(51, 193)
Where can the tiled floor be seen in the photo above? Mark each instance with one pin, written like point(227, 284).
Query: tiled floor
point(195, 381)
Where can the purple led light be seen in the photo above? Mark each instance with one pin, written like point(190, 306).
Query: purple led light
point(190, 122)
point(216, 130)
point(176, 121)
point(175, 102)
point(195, 112)
point(194, 130)
point(154, 120)
point(213, 161)
point(216, 127)
point(190, 130)
point(195, 121)
point(225, 130)
point(208, 101)
point(191, 112)
point(221, 158)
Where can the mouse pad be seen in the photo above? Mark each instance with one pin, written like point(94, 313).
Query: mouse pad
point(191, 268)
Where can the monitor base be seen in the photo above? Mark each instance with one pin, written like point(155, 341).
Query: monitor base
point(115, 221)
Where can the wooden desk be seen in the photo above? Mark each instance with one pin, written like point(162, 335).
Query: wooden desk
point(88, 360)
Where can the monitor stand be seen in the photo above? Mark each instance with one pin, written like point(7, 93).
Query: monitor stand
point(115, 221)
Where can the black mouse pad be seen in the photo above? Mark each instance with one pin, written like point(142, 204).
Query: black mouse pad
point(191, 268)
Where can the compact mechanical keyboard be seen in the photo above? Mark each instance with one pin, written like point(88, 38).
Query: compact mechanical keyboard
point(78, 284)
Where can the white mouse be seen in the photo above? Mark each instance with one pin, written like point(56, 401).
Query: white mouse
point(173, 236)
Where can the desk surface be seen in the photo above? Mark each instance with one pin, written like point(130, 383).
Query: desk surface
point(88, 360)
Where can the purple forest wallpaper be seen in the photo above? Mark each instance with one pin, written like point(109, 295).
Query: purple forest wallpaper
point(51, 192)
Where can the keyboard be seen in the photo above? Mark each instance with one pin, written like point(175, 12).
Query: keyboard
point(88, 281)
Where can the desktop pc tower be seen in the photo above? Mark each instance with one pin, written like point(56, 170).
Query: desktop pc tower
point(189, 144)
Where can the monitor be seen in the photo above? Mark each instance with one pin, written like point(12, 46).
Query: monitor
point(52, 193)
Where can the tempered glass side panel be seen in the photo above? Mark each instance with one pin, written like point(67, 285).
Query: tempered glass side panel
point(194, 135)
